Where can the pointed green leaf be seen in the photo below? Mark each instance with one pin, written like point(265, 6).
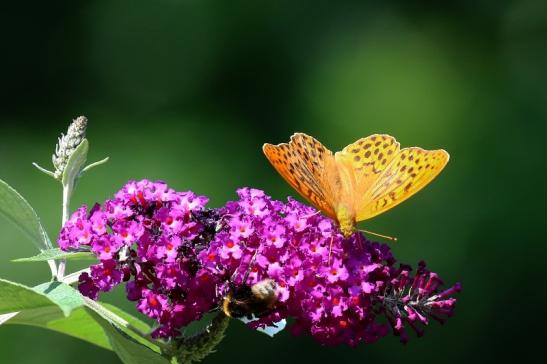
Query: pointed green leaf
point(95, 164)
point(75, 163)
point(7, 316)
point(79, 324)
point(130, 327)
point(128, 350)
point(21, 305)
point(55, 254)
point(135, 322)
point(43, 170)
point(17, 210)
point(16, 297)
point(66, 297)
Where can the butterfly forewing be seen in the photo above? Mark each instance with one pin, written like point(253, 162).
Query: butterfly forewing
point(408, 172)
point(305, 163)
point(368, 157)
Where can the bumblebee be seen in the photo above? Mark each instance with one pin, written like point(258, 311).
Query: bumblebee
point(251, 301)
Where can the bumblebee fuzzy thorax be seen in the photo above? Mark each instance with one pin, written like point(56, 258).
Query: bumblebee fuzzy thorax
point(248, 301)
point(265, 290)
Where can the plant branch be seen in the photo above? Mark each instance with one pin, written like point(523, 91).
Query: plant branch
point(196, 348)
point(67, 194)
point(73, 277)
point(42, 169)
point(95, 164)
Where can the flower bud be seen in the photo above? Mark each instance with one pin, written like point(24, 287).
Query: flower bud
point(67, 144)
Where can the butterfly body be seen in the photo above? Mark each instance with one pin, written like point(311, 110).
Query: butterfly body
point(364, 179)
point(346, 220)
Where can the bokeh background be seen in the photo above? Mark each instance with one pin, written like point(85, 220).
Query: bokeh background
point(187, 92)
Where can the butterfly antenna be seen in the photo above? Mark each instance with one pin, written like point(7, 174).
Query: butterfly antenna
point(379, 235)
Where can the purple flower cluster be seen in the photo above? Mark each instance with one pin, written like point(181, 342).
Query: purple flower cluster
point(414, 300)
point(333, 287)
point(180, 260)
point(148, 236)
point(327, 283)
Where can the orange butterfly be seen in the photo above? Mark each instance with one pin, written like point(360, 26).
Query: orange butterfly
point(363, 180)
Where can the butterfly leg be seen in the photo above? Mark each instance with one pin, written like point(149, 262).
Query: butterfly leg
point(330, 249)
point(360, 240)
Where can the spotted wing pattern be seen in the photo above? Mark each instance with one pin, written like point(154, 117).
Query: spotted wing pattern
point(408, 172)
point(368, 157)
point(305, 164)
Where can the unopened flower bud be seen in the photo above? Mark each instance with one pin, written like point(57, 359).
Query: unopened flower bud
point(67, 144)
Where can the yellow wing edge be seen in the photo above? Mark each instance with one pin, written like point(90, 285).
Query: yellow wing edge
point(386, 199)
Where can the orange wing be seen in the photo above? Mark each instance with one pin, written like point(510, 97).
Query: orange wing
point(307, 166)
point(364, 161)
point(410, 171)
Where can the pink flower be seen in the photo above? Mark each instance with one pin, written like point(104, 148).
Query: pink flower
point(128, 232)
point(106, 275)
point(106, 247)
point(167, 248)
point(240, 228)
point(336, 271)
point(230, 249)
point(152, 304)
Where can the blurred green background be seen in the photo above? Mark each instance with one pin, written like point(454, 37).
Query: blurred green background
point(187, 92)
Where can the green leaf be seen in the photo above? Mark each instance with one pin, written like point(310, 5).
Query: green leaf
point(56, 254)
point(43, 170)
point(79, 324)
point(135, 322)
point(16, 297)
point(131, 327)
point(66, 297)
point(75, 163)
point(128, 350)
point(95, 164)
point(39, 310)
point(17, 210)
point(7, 316)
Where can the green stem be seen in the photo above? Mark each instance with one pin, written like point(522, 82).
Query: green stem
point(195, 348)
point(73, 277)
point(52, 268)
point(67, 193)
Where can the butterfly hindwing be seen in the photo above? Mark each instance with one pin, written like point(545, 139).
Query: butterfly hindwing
point(303, 163)
point(408, 172)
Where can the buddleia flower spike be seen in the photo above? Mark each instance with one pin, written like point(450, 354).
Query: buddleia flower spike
point(67, 144)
